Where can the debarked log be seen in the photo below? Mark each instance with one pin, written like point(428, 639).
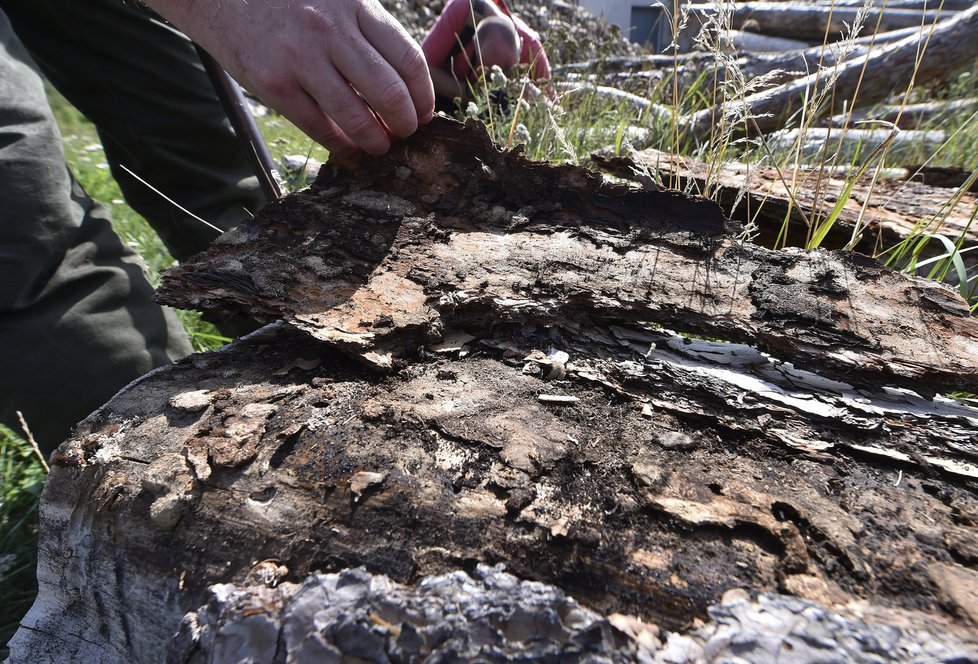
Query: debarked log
point(740, 40)
point(930, 55)
point(814, 22)
point(855, 145)
point(911, 116)
point(532, 409)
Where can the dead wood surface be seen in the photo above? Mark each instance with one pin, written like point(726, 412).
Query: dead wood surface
point(741, 40)
point(945, 5)
point(540, 417)
point(493, 616)
point(953, 43)
point(534, 241)
point(889, 210)
point(855, 145)
point(807, 22)
point(910, 116)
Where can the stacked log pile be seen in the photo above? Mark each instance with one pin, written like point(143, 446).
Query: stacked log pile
point(882, 57)
point(900, 44)
point(479, 364)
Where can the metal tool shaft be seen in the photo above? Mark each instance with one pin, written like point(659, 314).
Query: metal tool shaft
point(236, 107)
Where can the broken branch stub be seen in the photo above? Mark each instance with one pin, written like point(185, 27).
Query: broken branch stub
point(449, 231)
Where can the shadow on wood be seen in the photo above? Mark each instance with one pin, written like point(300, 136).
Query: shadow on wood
point(476, 367)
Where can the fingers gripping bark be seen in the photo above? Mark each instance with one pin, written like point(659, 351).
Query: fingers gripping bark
point(344, 71)
point(404, 55)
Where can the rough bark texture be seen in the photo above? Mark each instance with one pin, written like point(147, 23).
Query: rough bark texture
point(540, 417)
point(493, 616)
point(888, 211)
point(458, 233)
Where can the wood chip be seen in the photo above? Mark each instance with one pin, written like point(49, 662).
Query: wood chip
point(452, 342)
point(557, 398)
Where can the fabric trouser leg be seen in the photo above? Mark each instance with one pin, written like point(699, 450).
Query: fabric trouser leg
point(77, 321)
point(143, 86)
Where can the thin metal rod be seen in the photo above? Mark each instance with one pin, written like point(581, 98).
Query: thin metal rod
point(233, 101)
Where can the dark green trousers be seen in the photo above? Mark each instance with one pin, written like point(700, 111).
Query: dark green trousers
point(77, 321)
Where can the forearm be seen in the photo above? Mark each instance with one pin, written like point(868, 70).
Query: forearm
point(181, 13)
point(196, 19)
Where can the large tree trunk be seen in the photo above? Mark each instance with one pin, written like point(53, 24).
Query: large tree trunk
point(476, 367)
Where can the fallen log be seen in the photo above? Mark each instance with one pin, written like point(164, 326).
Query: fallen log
point(638, 74)
point(570, 92)
point(795, 71)
point(812, 23)
point(458, 617)
point(631, 64)
point(951, 45)
point(942, 176)
point(826, 56)
point(542, 417)
point(232, 287)
point(887, 210)
point(854, 146)
point(918, 5)
point(909, 116)
point(739, 40)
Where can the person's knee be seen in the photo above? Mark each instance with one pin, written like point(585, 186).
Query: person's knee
point(497, 43)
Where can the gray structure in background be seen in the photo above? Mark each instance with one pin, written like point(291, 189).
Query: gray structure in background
point(643, 21)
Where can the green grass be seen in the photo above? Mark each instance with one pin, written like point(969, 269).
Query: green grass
point(21, 479)
point(84, 154)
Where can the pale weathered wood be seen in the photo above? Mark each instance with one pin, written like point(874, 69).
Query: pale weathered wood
point(910, 116)
point(855, 145)
point(951, 45)
point(536, 412)
point(739, 40)
point(887, 210)
point(793, 74)
point(920, 5)
point(807, 22)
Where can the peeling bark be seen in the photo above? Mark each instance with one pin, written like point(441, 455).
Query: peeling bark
point(541, 416)
point(495, 617)
point(454, 232)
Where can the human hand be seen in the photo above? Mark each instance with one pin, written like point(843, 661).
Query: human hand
point(344, 71)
